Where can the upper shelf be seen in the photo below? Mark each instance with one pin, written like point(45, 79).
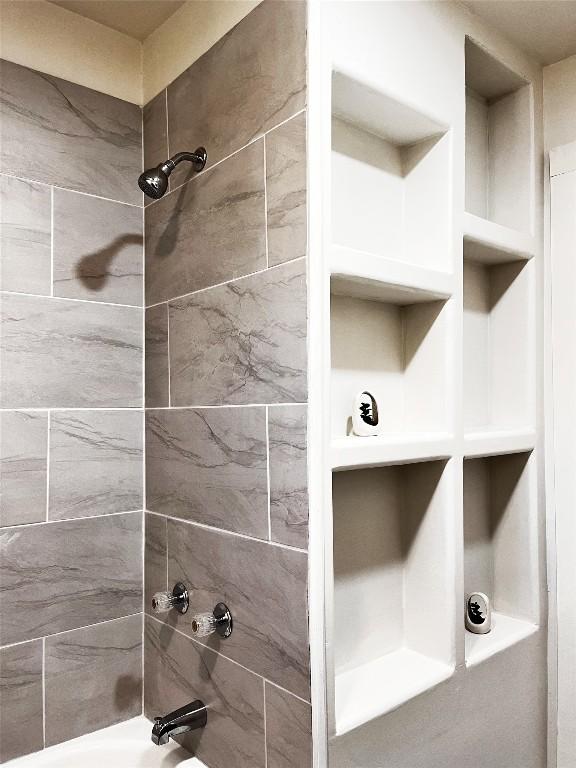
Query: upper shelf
point(492, 243)
point(394, 448)
point(497, 442)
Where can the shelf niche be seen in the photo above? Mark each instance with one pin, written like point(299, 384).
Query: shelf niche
point(498, 372)
point(500, 554)
point(498, 141)
point(393, 618)
point(390, 177)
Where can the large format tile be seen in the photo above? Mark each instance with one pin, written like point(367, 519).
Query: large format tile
point(248, 82)
point(286, 191)
point(98, 249)
point(76, 137)
point(209, 231)
point(209, 465)
point(244, 342)
point(265, 588)
point(23, 449)
point(21, 710)
point(60, 353)
point(25, 233)
point(288, 730)
point(60, 576)
point(156, 352)
point(95, 463)
point(288, 474)
point(155, 564)
point(93, 678)
point(178, 670)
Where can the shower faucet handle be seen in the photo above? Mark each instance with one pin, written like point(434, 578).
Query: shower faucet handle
point(162, 602)
point(218, 621)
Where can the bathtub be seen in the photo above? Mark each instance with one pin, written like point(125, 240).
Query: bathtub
point(126, 745)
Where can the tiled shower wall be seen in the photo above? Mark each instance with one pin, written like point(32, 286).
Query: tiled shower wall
point(226, 391)
point(71, 444)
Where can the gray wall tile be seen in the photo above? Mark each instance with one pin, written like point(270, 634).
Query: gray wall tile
point(209, 465)
point(264, 587)
point(80, 139)
point(286, 191)
point(209, 231)
point(156, 363)
point(23, 449)
point(25, 234)
point(248, 82)
point(98, 249)
point(66, 575)
point(95, 463)
point(155, 564)
point(288, 474)
point(244, 342)
point(93, 678)
point(59, 353)
point(288, 730)
point(21, 726)
point(178, 670)
point(155, 133)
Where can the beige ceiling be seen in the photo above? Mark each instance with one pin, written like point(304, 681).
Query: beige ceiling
point(545, 29)
point(135, 18)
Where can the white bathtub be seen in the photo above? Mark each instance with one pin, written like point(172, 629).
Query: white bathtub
point(126, 745)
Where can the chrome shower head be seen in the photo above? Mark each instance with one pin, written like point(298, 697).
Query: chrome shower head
point(154, 181)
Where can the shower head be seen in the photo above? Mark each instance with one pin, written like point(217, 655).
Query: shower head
point(154, 181)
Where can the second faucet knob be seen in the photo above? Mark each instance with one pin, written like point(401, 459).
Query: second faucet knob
point(219, 621)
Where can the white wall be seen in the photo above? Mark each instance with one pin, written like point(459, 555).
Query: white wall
point(560, 103)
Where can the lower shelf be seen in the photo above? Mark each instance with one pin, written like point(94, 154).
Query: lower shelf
point(380, 686)
point(506, 631)
point(394, 448)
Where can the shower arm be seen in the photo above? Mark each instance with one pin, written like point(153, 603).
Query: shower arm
point(198, 160)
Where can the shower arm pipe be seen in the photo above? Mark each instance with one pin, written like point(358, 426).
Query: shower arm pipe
point(198, 160)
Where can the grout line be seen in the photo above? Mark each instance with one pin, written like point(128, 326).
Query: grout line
point(137, 408)
point(226, 282)
point(167, 557)
point(266, 205)
point(68, 189)
point(168, 354)
point(43, 692)
point(66, 298)
point(133, 409)
point(48, 441)
point(51, 241)
point(68, 520)
point(265, 725)
point(268, 476)
point(167, 134)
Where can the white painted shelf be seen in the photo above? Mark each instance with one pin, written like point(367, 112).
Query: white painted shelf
point(373, 277)
point(394, 448)
point(492, 243)
point(382, 685)
point(496, 442)
point(506, 631)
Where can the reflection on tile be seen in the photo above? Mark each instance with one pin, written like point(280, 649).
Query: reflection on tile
point(95, 463)
point(82, 139)
point(156, 365)
point(98, 249)
point(209, 231)
point(21, 698)
point(248, 82)
point(178, 670)
point(66, 575)
point(209, 465)
point(288, 474)
point(265, 587)
point(59, 353)
point(25, 233)
point(244, 342)
point(23, 448)
point(93, 678)
point(286, 191)
point(288, 730)
point(155, 135)
point(155, 571)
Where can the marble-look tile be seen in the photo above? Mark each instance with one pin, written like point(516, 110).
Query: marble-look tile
point(25, 233)
point(98, 249)
point(65, 575)
point(93, 678)
point(78, 138)
point(288, 474)
point(209, 231)
point(23, 449)
point(178, 670)
point(241, 343)
point(156, 353)
point(21, 710)
point(288, 730)
point(69, 354)
point(155, 566)
point(264, 586)
point(248, 82)
point(95, 463)
point(286, 191)
point(209, 465)
point(155, 133)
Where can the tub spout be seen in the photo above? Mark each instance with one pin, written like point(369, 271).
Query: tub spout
point(188, 718)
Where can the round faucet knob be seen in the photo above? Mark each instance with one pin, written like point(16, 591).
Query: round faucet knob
point(219, 621)
point(162, 602)
point(203, 624)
